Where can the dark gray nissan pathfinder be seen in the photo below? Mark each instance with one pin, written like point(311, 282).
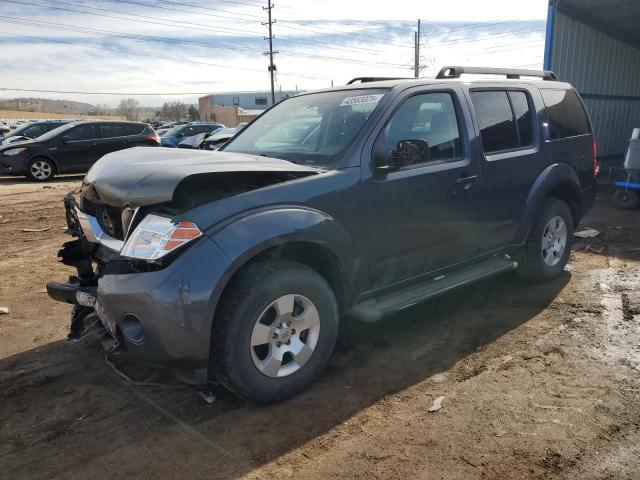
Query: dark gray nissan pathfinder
point(359, 200)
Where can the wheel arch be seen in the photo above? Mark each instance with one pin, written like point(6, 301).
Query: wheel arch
point(48, 157)
point(558, 180)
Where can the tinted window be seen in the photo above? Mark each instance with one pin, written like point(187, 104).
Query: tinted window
point(133, 129)
point(430, 117)
point(84, 132)
point(567, 117)
point(111, 130)
point(497, 127)
point(523, 115)
point(261, 100)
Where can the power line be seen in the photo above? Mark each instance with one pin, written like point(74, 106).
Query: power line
point(74, 92)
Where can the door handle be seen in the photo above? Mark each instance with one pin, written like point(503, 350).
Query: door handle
point(467, 180)
point(94, 144)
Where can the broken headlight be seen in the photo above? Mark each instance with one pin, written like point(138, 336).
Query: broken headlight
point(157, 236)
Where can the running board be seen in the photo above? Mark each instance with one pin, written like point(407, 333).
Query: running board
point(372, 310)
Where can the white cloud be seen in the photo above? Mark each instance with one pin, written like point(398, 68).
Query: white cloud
point(205, 51)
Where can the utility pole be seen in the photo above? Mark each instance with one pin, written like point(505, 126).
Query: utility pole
point(416, 66)
point(271, 53)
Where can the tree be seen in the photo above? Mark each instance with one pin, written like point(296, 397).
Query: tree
point(194, 114)
point(174, 111)
point(129, 108)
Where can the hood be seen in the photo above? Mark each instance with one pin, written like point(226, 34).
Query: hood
point(145, 176)
point(21, 143)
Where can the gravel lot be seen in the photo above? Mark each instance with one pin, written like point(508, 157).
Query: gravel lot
point(540, 381)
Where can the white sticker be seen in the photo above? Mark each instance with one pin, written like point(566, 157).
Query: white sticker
point(360, 99)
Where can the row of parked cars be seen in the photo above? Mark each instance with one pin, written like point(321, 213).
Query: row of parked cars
point(41, 150)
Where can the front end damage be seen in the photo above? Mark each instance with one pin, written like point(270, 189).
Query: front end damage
point(90, 260)
point(157, 307)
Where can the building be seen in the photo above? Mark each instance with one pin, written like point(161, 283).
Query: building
point(595, 45)
point(241, 104)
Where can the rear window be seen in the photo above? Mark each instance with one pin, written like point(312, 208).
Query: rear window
point(567, 117)
point(505, 119)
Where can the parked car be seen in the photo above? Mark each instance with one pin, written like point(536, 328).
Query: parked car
point(31, 130)
point(219, 138)
point(72, 148)
point(240, 263)
point(176, 134)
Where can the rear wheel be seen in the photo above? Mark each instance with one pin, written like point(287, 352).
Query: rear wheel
point(275, 330)
point(40, 169)
point(548, 246)
point(625, 199)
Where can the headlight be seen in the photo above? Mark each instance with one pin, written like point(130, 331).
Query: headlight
point(157, 236)
point(14, 151)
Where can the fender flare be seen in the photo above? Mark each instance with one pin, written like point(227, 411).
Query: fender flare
point(552, 177)
point(249, 236)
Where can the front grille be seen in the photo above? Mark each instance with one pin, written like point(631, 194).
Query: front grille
point(109, 218)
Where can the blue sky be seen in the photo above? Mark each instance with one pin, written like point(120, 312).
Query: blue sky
point(199, 46)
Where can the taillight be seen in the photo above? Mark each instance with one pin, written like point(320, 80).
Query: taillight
point(154, 137)
point(595, 159)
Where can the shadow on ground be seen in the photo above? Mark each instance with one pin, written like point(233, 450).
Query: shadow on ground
point(65, 413)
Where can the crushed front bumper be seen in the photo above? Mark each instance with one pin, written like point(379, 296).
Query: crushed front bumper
point(160, 316)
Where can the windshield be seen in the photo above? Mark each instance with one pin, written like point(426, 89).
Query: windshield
point(55, 132)
point(173, 131)
point(314, 129)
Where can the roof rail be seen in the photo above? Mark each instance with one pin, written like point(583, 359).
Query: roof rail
point(456, 71)
point(373, 79)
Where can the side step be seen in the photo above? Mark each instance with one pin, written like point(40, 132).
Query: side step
point(372, 310)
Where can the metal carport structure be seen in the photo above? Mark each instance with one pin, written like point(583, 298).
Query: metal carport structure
point(595, 45)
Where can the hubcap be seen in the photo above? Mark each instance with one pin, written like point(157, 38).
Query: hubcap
point(554, 241)
point(41, 170)
point(285, 335)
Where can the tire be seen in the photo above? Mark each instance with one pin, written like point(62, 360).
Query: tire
point(552, 228)
point(40, 169)
point(247, 340)
point(625, 199)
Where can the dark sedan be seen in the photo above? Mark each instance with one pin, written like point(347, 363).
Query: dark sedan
point(72, 148)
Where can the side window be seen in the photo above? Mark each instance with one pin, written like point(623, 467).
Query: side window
point(112, 130)
point(567, 117)
point(495, 118)
point(428, 117)
point(133, 129)
point(83, 132)
point(524, 117)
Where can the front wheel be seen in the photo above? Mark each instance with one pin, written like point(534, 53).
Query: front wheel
point(40, 170)
point(548, 246)
point(275, 330)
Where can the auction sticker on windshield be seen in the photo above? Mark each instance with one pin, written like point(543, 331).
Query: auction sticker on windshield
point(360, 99)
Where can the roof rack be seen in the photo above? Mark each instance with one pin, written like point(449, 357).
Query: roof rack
point(373, 79)
point(456, 71)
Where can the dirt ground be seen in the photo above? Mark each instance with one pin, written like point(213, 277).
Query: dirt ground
point(540, 381)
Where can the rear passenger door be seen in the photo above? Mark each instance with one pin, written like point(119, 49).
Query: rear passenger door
point(508, 150)
point(114, 137)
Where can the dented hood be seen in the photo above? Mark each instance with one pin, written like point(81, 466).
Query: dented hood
point(145, 176)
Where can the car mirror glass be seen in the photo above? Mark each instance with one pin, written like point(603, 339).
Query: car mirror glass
point(409, 152)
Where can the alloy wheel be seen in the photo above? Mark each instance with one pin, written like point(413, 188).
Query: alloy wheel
point(285, 335)
point(554, 241)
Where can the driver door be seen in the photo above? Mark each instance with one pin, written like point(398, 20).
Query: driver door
point(422, 213)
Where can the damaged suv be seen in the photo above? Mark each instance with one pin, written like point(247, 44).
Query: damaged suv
point(359, 200)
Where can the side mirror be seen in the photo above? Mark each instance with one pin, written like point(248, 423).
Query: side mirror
point(66, 139)
point(407, 152)
point(180, 135)
point(207, 135)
